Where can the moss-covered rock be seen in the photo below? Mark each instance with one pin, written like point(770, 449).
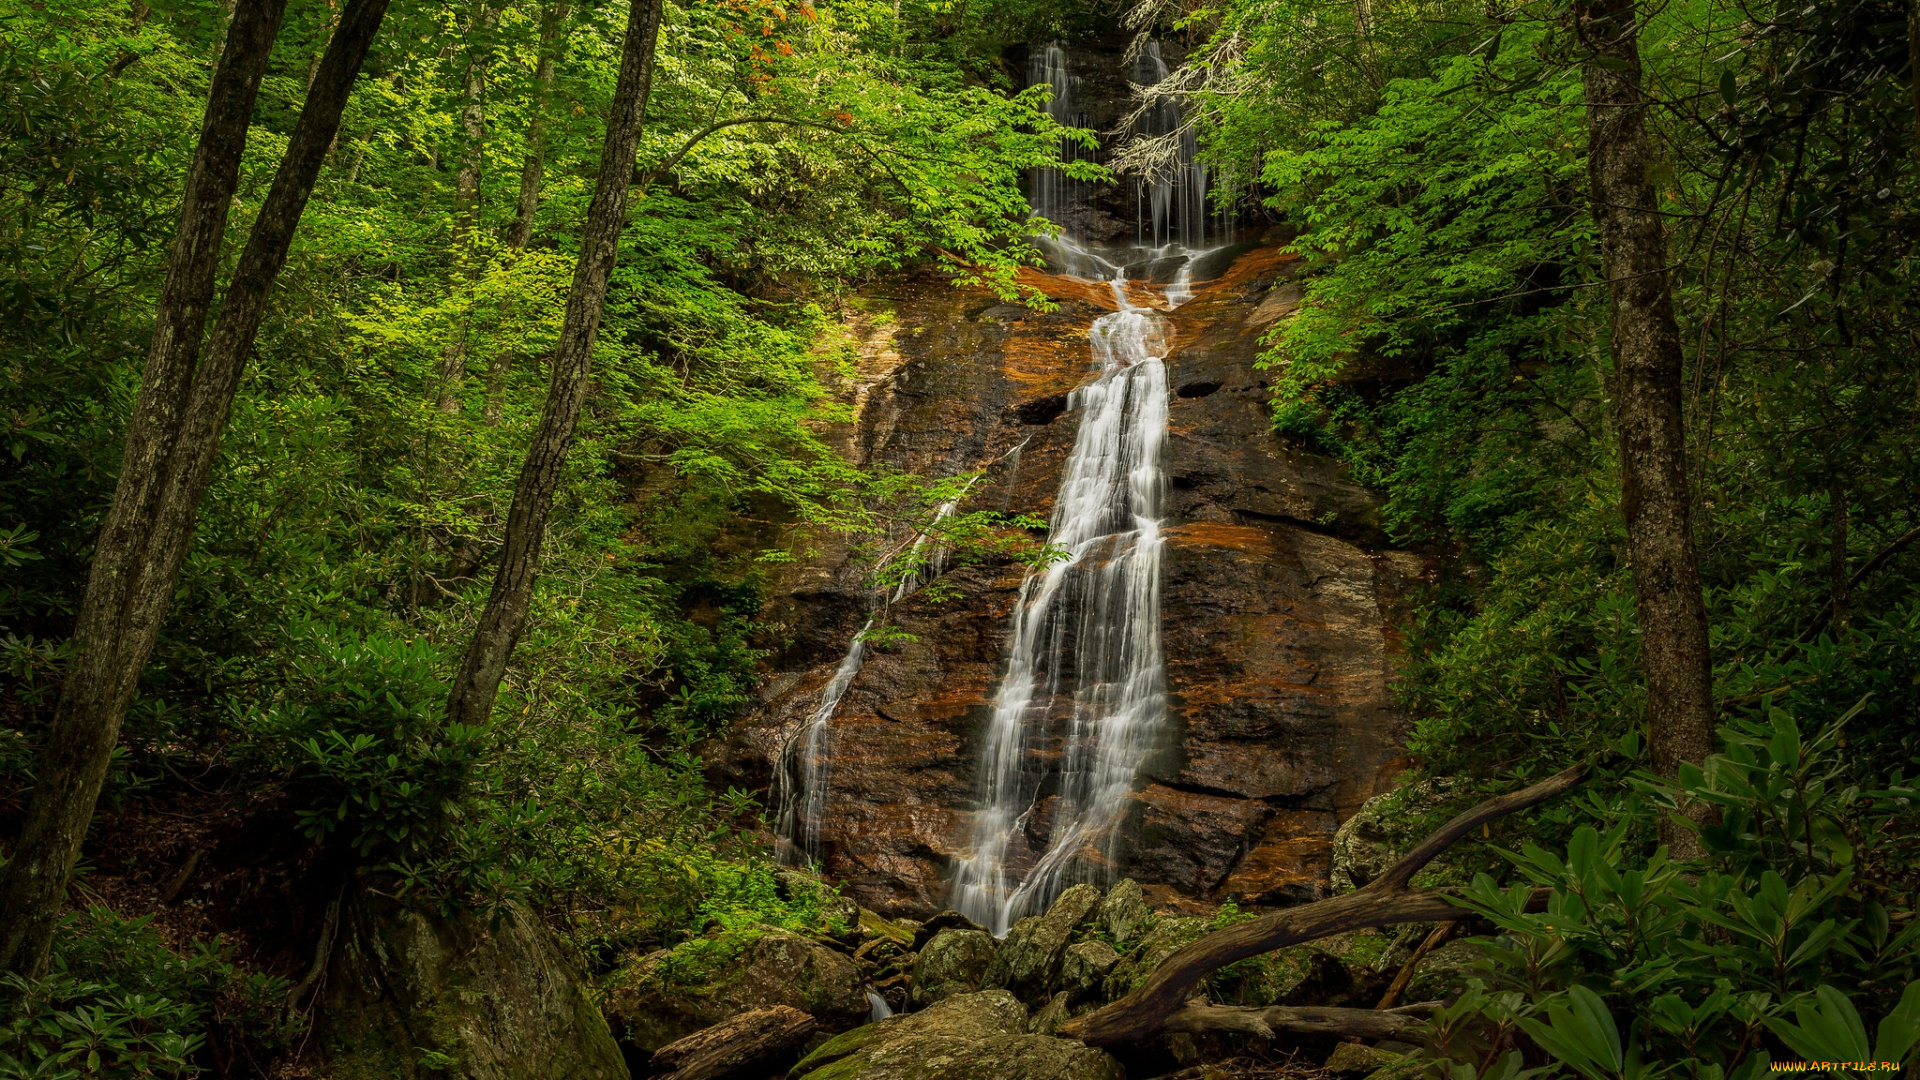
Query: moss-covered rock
point(953, 962)
point(1443, 971)
point(1085, 968)
point(1167, 934)
point(411, 995)
point(1029, 959)
point(671, 994)
point(1123, 912)
point(968, 1037)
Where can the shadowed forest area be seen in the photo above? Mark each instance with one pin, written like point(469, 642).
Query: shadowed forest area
point(434, 434)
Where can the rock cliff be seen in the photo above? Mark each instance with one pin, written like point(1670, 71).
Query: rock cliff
point(1278, 603)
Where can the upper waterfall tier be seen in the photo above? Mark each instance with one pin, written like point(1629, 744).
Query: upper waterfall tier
point(1093, 87)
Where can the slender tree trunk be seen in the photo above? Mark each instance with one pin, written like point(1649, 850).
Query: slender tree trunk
point(170, 449)
point(1647, 412)
point(466, 207)
point(1913, 66)
point(474, 688)
point(553, 24)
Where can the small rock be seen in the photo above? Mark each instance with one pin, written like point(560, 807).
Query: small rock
point(946, 920)
point(1085, 967)
point(1123, 913)
point(1378, 833)
point(1048, 1019)
point(1029, 959)
point(953, 962)
point(1443, 971)
point(1358, 1058)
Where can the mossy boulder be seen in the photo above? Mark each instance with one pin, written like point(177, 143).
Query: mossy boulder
point(1029, 959)
point(670, 994)
point(412, 995)
point(953, 962)
point(1085, 968)
point(967, 1037)
point(1167, 934)
point(1443, 971)
point(1123, 913)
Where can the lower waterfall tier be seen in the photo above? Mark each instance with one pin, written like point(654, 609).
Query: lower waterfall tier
point(1277, 599)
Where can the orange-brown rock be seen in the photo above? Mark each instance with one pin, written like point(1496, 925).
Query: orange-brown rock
point(1278, 598)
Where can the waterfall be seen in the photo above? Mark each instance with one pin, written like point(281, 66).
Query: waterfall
point(801, 775)
point(1173, 203)
point(1049, 191)
point(1084, 695)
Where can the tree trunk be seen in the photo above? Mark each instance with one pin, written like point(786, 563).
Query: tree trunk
point(553, 24)
point(171, 444)
point(474, 688)
point(1842, 586)
point(753, 1044)
point(1146, 1012)
point(1646, 394)
point(466, 207)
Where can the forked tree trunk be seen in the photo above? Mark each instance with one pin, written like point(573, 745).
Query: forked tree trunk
point(478, 681)
point(171, 444)
point(1646, 393)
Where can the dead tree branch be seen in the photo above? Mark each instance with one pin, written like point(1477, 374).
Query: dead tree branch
point(1145, 1012)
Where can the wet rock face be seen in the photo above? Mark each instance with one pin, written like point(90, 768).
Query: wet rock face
point(1278, 603)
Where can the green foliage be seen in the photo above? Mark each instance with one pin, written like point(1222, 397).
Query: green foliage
point(119, 1003)
point(1802, 904)
point(360, 729)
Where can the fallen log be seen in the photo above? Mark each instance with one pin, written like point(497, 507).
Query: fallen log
point(752, 1044)
point(1264, 1022)
point(1144, 1013)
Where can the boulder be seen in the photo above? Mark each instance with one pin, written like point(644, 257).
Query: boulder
point(1058, 1010)
point(946, 920)
point(1029, 959)
point(666, 996)
point(968, 1037)
point(953, 962)
point(1169, 933)
point(1358, 1058)
point(410, 995)
point(1384, 828)
point(840, 914)
point(1123, 912)
point(1443, 971)
point(1085, 968)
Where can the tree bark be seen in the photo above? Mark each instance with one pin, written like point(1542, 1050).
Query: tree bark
point(171, 444)
point(1145, 1013)
point(478, 682)
point(553, 25)
point(1326, 1022)
point(1646, 389)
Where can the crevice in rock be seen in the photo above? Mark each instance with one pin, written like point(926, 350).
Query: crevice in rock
point(1198, 389)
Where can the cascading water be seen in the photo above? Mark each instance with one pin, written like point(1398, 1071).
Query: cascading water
point(1050, 192)
point(800, 777)
point(1084, 696)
